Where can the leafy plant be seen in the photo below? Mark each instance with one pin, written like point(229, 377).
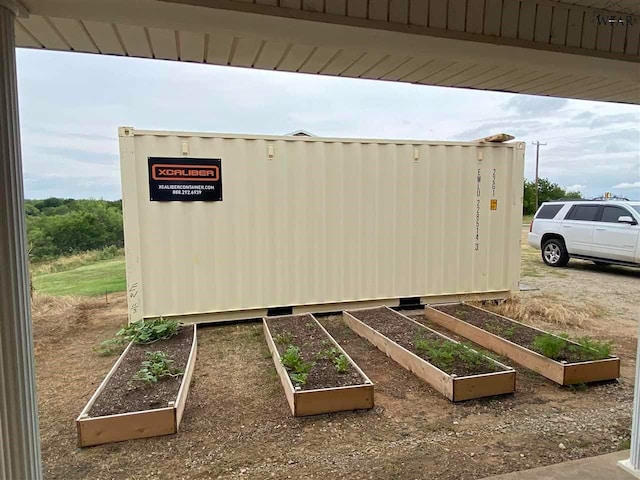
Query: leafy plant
point(559, 348)
point(157, 366)
point(550, 346)
point(599, 349)
point(294, 363)
point(143, 332)
point(339, 360)
point(445, 355)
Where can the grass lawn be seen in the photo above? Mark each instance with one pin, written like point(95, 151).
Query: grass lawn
point(87, 280)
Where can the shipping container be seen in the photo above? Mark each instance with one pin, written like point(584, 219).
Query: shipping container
point(223, 227)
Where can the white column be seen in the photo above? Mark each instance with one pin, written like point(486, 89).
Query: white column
point(19, 439)
point(632, 465)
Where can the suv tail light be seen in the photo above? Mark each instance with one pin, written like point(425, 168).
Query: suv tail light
point(531, 225)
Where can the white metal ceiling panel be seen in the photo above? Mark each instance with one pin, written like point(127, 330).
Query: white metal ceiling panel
point(135, 40)
point(320, 57)
point(163, 42)
point(44, 32)
point(246, 51)
point(386, 66)
point(104, 36)
point(344, 60)
point(191, 46)
point(559, 25)
point(24, 38)
point(368, 61)
point(271, 54)
point(295, 57)
point(219, 49)
point(75, 34)
point(406, 68)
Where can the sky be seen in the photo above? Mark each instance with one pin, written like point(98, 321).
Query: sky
point(72, 104)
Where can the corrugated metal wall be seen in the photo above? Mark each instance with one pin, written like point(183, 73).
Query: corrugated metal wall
point(324, 221)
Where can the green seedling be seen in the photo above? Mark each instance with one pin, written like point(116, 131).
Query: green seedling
point(156, 367)
point(339, 360)
point(444, 354)
point(599, 350)
point(297, 367)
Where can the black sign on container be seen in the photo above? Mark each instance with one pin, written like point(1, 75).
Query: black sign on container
point(185, 179)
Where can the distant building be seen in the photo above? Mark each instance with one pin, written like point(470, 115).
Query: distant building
point(300, 133)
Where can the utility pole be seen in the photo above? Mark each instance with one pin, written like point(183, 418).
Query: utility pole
point(537, 144)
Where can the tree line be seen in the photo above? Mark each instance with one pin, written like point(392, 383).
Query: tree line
point(547, 191)
point(64, 226)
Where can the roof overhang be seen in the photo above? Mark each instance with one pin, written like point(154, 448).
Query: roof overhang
point(549, 57)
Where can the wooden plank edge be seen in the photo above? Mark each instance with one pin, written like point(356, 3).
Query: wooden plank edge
point(593, 371)
point(482, 337)
point(342, 350)
point(103, 384)
point(611, 357)
point(282, 372)
point(181, 398)
point(363, 329)
point(502, 384)
point(87, 423)
point(505, 367)
point(332, 400)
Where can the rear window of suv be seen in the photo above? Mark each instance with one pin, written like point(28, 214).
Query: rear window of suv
point(548, 211)
point(583, 212)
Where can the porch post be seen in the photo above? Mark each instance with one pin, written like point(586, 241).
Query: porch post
point(632, 465)
point(19, 439)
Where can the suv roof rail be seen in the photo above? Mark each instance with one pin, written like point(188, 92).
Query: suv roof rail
point(614, 197)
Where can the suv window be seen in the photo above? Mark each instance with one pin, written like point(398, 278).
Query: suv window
point(611, 214)
point(548, 211)
point(583, 212)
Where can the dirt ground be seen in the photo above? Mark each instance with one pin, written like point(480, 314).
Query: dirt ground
point(237, 422)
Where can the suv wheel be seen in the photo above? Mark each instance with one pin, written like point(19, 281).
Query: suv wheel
point(554, 253)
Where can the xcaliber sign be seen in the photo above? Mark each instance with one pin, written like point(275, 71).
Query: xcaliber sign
point(185, 179)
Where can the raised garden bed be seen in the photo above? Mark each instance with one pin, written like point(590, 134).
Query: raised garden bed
point(456, 371)
point(122, 409)
point(571, 362)
point(316, 373)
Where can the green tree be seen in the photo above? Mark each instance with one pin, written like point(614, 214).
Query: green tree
point(547, 191)
point(64, 226)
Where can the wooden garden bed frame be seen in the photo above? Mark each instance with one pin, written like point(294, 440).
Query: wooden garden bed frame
point(321, 400)
point(453, 387)
point(140, 424)
point(563, 373)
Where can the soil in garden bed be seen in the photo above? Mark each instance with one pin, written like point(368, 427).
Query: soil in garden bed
point(404, 332)
point(119, 397)
point(514, 332)
point(303, 332)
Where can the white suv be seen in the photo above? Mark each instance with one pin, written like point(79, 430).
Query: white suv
point(604, 232)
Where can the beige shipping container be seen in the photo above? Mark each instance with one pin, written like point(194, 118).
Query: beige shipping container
point(320, 224)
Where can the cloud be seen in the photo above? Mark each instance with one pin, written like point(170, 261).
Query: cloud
point(575, 188)
point(70, 143)
point(624, 185)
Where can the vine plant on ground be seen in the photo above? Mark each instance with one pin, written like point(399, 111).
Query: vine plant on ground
point(143, 332)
